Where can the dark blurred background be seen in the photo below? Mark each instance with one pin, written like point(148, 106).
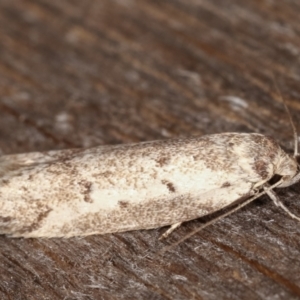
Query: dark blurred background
point(84, 73)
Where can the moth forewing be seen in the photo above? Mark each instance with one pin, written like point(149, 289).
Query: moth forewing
point(135, 186)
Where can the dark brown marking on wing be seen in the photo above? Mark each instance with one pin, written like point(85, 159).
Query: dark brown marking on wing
point(225, 184)
point(5, 219)
point(169, 185)
point(123, 204)
point(261, 167)
point(86, 190)
point(36, 224)
point(162, 161)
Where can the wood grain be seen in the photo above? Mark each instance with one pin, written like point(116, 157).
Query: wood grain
point(83, 73)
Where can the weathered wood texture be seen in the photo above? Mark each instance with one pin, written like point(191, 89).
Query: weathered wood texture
point(82, 73)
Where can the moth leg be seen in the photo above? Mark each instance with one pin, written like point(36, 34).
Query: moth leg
point(278, 203)
point(170, 230)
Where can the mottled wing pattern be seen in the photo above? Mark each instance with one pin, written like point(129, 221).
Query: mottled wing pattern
point(126, 187)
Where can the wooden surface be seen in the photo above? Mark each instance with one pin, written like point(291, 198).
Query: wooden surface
point(82, 73)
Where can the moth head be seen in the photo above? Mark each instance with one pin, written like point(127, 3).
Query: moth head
point(288, 168)
point(289, 171)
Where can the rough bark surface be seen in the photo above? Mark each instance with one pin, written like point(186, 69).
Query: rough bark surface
point(83, 73)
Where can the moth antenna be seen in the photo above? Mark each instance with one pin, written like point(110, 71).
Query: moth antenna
point(290, 118)
point(266, 190)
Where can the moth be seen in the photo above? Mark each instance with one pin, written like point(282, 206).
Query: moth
point(108, 189)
